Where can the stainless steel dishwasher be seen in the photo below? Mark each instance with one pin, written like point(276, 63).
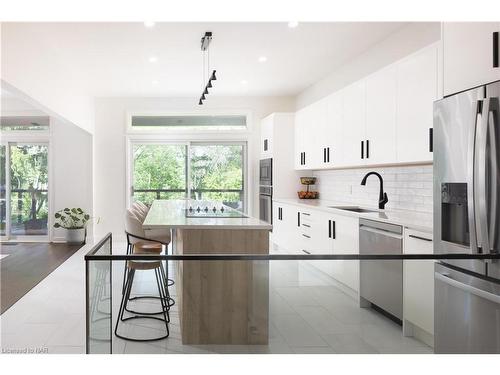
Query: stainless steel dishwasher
point(381, 281)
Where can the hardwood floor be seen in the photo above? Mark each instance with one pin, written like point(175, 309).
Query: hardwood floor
point(26, 265)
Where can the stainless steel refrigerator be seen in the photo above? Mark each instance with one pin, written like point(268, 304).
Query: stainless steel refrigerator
point(466, 147)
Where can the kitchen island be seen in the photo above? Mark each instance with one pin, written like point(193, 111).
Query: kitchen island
point(219, 302)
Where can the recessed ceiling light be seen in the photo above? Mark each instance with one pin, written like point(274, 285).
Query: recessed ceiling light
point(244, 82)
point(153, 59)
point(149, 24)
point(262, 59)
point(293, 24)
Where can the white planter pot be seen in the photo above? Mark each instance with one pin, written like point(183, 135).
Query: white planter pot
point(75, 236)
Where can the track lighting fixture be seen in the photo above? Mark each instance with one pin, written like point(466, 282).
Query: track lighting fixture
point(205, 49)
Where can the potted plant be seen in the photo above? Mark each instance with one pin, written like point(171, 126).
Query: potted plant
point(74, 220)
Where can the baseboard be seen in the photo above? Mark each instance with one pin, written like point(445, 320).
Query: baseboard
point(59, 240)
point(412, 330)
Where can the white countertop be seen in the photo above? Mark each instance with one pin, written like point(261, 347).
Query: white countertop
point(165, 214)
point(410, 219)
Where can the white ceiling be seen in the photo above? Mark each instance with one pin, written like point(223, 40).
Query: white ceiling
point(112, 59)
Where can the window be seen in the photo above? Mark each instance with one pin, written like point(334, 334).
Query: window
point(191, 122)
point(23, 123)
point(159, 172)
point(24, 189)
point(217, 173)
point(201, 171)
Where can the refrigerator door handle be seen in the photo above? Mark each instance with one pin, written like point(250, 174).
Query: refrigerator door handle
point(472, 203)
point(481, 192)
point(493, 124)
point(445, 278)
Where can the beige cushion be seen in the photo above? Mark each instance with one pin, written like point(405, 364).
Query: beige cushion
point(143, 206)
point(133, 225)
point(138, 211)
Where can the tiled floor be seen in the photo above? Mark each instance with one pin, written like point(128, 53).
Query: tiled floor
point(308, 314)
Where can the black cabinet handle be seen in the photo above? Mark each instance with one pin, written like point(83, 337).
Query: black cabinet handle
point(324, 155)
point(306, 225)
point(304, 158)
point(298, 219)
point(328, 154)
point(367, 148)
point(306, 214)
point(333, 229)
point(265, 144)
point(431, 140)
point(362, 149)
point(329, 229)
point(420, 238)
point(307, 252)
point(496, 52)
point(306, 236)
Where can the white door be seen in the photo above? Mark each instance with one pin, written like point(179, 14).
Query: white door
point(354, 129)
point(333, 130)
point(417, 90)
point(381, 117)
point(468, 55)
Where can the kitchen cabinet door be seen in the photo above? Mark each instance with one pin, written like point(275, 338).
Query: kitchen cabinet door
point(418, 281)
point(266, 137)
point(304, 138)
point(381, 117)
point(285, 229)
point(354, 125)
point(316, 136)
point(417, 89)
point(469, 55)
point(346, 241)
point(331, 137)
point(300, 117)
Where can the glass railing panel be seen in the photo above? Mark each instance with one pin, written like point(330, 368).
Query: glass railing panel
point(282, 303)
point(99, 300)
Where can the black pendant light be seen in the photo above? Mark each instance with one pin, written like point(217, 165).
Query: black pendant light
point(205, 45)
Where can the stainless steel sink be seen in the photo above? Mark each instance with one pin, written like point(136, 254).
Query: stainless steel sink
point(352, 209)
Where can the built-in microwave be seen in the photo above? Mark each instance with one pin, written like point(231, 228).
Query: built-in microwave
point(266, 172)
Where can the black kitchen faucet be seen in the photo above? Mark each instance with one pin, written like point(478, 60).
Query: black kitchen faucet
point(382, 197)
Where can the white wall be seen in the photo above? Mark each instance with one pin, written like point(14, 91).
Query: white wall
point(110, 147)
point(32, 67)
point(398, 45)
point(71, 155)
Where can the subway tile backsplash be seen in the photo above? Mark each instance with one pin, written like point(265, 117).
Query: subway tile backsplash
point(408, 187)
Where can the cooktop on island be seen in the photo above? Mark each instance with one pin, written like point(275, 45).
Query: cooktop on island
point(212, 211)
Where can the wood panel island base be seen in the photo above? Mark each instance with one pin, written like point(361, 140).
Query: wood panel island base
point(220, 302)
point(223, 302)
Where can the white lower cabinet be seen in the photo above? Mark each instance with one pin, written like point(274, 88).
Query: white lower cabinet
point(418, 287)
point(298, 229)
point(285, 228)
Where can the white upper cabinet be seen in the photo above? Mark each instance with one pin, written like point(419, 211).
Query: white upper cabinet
point(417, 89)
point(385, 118)
point(470, 58)
point(354, 125)
point(266, 138)
point(331, 139)
point(380, 142)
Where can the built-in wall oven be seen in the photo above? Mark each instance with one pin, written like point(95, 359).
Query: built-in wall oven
point(266, 190)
